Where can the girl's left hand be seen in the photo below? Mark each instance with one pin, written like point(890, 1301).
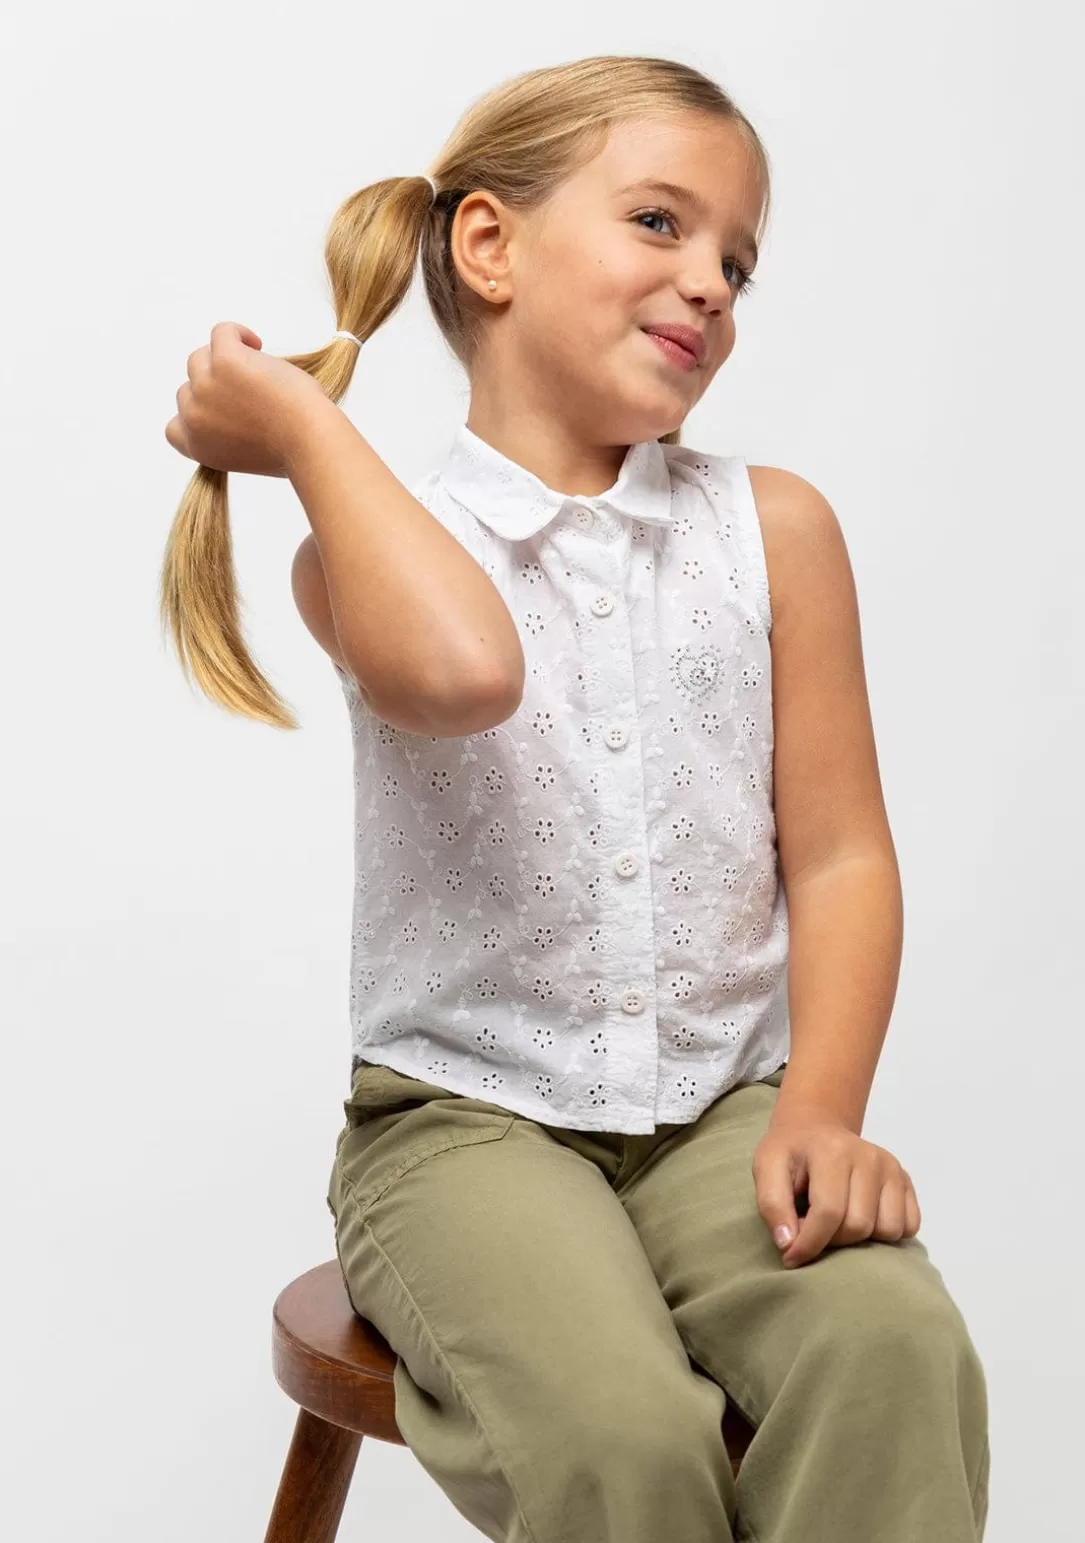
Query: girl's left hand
point(855, 1190)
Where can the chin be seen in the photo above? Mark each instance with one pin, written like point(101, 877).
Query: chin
point(613, 415)
point(654, 422)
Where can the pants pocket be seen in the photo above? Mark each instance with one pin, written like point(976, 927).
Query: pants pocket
point(387, 1143)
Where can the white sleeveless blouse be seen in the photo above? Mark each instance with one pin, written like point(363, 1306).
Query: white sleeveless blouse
point(576, 914)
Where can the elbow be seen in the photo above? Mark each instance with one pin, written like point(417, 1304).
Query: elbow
point(471, 700)
point(484, 708)
point(448, 716)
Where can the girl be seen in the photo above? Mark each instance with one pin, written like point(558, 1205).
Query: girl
point(608, 708)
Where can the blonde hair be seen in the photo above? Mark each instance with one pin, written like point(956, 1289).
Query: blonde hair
point(519, 141)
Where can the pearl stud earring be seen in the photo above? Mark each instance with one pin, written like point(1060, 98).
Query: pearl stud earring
point(493, 283)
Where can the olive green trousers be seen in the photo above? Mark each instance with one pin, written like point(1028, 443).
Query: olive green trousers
point(571, 1310)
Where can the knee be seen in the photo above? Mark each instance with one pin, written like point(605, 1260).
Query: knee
point(887, 1316)
point(662, 1433)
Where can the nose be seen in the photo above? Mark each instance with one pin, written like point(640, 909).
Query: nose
point(702, 283)
point(712, 299)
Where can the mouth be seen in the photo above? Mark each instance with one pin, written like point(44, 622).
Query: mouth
point(684, 346)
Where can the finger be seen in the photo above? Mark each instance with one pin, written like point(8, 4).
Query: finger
point(828, 1189)
point(776, 1195)
point(223, 333)
point(889, 1225)
point(199, 362)
point(228, 334)
point(175, 436)
point(864, 1203)
point(912, 1215)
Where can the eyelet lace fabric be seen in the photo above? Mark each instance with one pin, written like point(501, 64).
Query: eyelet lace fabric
point(577, 914)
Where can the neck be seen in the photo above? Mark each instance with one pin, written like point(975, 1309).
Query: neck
point(531, 435)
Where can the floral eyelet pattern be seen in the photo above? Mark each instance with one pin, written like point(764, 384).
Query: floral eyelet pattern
point(577, 913)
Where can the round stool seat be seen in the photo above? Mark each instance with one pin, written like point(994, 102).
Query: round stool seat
point(336, 1365)
point(329, 1360)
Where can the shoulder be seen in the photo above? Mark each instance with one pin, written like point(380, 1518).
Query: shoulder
point(805, 552)
point(784, 497)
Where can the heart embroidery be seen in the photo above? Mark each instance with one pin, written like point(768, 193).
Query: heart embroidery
point(696, 671)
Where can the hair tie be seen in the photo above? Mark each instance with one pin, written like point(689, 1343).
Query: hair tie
point(350, 335)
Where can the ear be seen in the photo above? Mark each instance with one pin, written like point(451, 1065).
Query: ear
point(482, 230)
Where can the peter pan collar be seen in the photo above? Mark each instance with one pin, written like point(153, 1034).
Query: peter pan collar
point(515, 504)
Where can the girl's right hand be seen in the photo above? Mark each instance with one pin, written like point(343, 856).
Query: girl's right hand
point(240, 409)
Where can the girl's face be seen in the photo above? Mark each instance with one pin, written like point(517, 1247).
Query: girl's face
point(609, 255)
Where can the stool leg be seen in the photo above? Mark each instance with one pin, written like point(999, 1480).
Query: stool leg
point(315, 1479)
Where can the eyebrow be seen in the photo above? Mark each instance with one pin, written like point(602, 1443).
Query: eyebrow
point(685, 195)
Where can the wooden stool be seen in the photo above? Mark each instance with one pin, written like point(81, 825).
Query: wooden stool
point(338, 1369)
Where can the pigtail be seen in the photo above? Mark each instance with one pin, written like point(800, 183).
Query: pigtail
point(520, 141)
point(370, 251)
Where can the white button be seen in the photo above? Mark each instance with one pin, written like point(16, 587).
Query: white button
point(626, 865)
point(617, 736)
point(632, 1000)
point(585, 518)
point(602, 605)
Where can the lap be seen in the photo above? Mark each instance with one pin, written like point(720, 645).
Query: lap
point(559, 1334)
point(477, 1231)
point(495, 1233)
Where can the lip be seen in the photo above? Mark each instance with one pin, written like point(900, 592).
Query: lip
point(686, 337)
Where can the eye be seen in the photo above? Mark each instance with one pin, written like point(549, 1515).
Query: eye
point(657, 214)
point(742, 284)
point(745, 282)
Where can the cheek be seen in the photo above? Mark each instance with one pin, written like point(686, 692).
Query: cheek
point(728, 343)
point(577, 319)
point(601, 279)
point(585, 300)
point(623, 282)
point(568, 296)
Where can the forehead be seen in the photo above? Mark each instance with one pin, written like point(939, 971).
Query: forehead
point(705, 158)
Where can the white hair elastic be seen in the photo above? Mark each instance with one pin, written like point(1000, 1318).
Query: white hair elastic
point(350, 335)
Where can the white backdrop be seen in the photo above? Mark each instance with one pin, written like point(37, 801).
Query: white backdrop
point(178, 881)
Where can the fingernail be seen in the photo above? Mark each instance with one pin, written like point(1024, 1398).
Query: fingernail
point(782, 1236)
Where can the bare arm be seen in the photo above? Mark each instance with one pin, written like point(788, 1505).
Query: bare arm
point(419, 625)
point(836, 851)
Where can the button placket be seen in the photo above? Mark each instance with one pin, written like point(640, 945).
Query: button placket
point(633, 999)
